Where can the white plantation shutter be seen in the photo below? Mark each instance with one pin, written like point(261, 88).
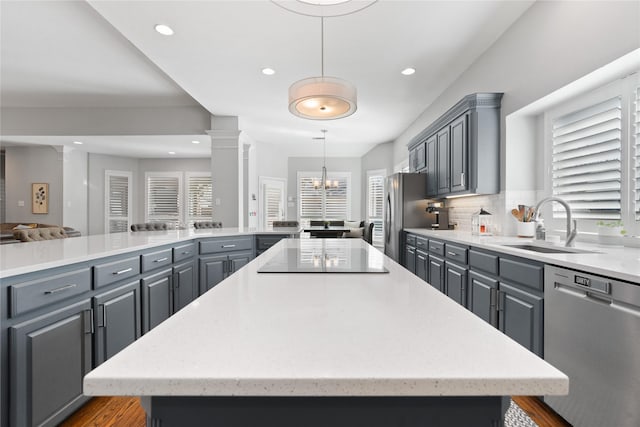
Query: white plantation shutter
point(118, 200)
point(636, 153)
point(199, 198)
point(375, 208)
point(163, 197)
point(336, 199)
point(318, 204)
point(587, 161)
point(273, 196)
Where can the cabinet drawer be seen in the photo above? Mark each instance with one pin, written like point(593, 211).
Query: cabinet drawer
point(153, 260)
point(265, 242)
point(225, 245)
point(436, 247)
point(30, 295)
point(183, 252)
point(411, 239)
point(456, 253)
point(525, 273)
point(111, 272)
point(422, 243)
point(483, 261)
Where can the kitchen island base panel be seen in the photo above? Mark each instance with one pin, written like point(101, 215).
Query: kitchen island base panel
point(433, 411)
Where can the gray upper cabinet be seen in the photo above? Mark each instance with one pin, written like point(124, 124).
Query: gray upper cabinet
point(117, 320)
point(420, 157)
point(462, 148)
point(49, 356)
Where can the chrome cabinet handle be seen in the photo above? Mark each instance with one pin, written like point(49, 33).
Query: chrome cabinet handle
point(421, 257)
point(228, 246)
point(186, 252)
point(462, 178)
point(126, 270)
point(160, 259)
point(60, 289)
point(452, 253)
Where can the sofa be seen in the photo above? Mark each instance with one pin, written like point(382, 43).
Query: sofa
point(16, 232)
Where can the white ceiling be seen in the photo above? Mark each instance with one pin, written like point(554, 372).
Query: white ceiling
point(106, 53)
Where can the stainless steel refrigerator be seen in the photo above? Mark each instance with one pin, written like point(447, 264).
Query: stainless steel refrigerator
point(405, 206)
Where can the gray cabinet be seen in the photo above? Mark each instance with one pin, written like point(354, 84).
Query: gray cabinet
point(49, 356)
point(410, 258)
point(263, 243)
point(184, 284)
point(237, 261)
point(422, 265)
point(117, 320)
point(436, 272)
point(520, 316)
point(482, 297)
point(456, 283)
point(462, 148)
point(213, 270)
point(157, 299)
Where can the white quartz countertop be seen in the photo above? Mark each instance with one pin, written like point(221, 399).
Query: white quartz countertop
point(324, 334)
point(20, 258)
point(617, 262)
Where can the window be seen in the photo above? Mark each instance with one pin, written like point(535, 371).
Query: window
point(118, 201)
point(593, 157)
point(199, 197)
point(331, 204)
point(163, 197)
point(272, 200)
point(375, 204)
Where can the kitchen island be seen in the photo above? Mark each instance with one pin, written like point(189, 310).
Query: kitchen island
point(339, 349)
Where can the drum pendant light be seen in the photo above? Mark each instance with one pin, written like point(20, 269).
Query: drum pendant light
point(324, 97)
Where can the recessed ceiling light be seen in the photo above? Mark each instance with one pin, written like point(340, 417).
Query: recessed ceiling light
point(78, 142)
point(268, 71)
point(172, 152)
point(165, 30)
point(408, 71)
point(195, 142)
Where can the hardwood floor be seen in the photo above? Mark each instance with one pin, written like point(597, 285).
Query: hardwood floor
point(127, 412)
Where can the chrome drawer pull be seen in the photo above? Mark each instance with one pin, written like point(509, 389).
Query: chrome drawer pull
point(452, 253)
point(160, 259)
point(228, 246)
point(60, 289)
point(126, 270)
point(186, 252)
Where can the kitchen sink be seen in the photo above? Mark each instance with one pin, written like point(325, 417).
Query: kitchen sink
point(548, 249)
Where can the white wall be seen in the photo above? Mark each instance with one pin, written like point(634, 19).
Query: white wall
point(334, 164)
point(75, 202)
point(551, 45)
point(25, 165)
point(97, 165)
point(379, 157)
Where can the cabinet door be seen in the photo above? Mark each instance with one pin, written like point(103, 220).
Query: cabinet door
point(482, 297)
point(412, 160)
point(157, 299)
point(459, 155)
point(420, 157)
point(410, 258)
point(443, 166)
point(237, 261)
point(520, 316)
point(184, 281)
point(117, 320)
point(49, 356)
point(422, 265)
point(431, 162)
point(456, 283)
point(436, 272)
point(212, 271)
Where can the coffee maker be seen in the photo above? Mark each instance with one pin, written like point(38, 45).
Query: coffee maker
point(438, 216)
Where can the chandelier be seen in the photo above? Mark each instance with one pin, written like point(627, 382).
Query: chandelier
point(323, 97)
point(324, 182)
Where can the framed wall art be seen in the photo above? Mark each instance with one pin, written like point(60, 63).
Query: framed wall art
point(39, 198)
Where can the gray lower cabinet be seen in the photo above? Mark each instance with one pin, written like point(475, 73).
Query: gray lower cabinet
point(117, 320)
point(49, 356)
point(520, 316)
point(483, 297)
point(436, 272)
point(456, 283)
point(422, 265)
point(216, 268)
point(184, 284)
point(410, 258)
point(263, 243)
point(157, 299)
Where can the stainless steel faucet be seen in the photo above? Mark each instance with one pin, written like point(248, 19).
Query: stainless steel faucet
point(571, 233)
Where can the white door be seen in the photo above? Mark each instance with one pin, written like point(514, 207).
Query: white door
point(272, 201)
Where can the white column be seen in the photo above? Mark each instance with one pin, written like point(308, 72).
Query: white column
point(226, 171)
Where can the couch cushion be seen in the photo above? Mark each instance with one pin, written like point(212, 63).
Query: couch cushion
point(37, 234)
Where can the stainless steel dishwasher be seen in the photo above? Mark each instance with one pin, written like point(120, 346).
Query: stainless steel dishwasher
point(592, 334)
